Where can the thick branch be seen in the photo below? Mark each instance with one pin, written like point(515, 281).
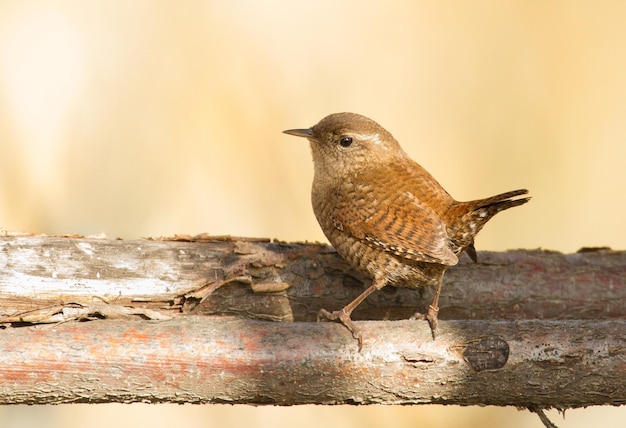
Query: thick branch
point(47, 271)
point(215, 359)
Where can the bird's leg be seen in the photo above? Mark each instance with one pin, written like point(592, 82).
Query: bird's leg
point(433, 310)
point(343, 315)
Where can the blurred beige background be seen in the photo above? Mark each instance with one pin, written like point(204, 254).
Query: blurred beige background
point(153, 118)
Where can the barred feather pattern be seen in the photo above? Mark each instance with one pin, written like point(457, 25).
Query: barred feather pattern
point(398, 228)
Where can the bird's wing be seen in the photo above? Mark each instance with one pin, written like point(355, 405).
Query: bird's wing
point(401, 224)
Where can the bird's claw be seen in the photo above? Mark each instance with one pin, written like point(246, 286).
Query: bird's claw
point(431, 317)
point(342, 317)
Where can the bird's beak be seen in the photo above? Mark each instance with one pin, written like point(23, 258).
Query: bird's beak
point(306, 133)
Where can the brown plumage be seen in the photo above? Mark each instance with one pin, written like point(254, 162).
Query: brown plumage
point(385, 214)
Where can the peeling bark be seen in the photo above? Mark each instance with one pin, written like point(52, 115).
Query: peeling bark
point(291, 282)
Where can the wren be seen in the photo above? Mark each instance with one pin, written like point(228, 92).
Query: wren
point(385, 214)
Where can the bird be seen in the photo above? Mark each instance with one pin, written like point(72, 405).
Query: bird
point(385, 215)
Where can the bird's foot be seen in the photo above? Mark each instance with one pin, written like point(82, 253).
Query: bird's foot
point(431, 317)
point(344, 318)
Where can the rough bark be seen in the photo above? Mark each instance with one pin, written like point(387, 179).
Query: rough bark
point(527, 328)
point(166, 276)
point(195, 359)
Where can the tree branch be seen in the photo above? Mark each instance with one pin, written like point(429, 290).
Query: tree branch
point(216, 359)
point(527, 328)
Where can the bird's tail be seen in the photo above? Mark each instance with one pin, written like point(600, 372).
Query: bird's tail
point(474, 215)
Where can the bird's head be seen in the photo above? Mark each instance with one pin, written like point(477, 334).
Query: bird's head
point(344, 142)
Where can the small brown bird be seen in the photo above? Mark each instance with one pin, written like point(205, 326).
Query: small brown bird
point(385, 214)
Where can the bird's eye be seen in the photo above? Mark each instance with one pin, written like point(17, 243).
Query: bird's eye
point(345, 141)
